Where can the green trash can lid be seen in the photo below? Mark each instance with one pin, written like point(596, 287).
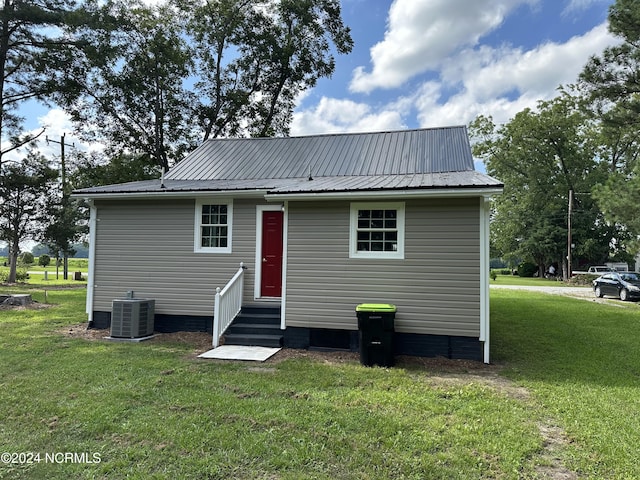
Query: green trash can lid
point(376, 307)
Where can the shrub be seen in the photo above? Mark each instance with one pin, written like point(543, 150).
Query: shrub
point(527, 269)
point(44, 260)
point(583, 279)
point(21, 276)
point(493, 274)
point(26, 258)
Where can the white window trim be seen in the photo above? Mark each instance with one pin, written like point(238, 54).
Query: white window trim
point(353, 229)
point(197, 247)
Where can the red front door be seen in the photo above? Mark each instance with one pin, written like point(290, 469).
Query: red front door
point(271, 281)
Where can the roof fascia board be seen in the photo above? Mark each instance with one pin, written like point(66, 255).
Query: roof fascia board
point(387, 194)
point(170, 194)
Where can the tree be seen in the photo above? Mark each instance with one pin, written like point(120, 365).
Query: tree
point(28, 32)
point(44, 260)
point(158, 86)
point(612, 81)
point(63, 229)
point(253, 59)
point(129, 80)
point(541, 156)
point(94, 169)
point(26, 258)
point(25, 190)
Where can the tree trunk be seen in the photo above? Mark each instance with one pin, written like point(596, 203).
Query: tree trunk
point(14, 251)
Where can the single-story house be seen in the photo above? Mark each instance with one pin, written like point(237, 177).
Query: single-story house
point(320, 224)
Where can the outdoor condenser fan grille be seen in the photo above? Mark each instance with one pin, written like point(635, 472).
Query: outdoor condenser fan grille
point(132, 318)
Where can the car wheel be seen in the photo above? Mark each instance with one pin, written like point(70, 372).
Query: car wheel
point(598, 292)
point(624, 294)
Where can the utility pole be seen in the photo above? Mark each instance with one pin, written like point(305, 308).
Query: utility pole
point(569, 234)
point(65, 197)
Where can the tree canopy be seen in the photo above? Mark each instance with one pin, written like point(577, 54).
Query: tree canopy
point(29, 32)
point(612, 82)
point(160, 80)
point(541, 156)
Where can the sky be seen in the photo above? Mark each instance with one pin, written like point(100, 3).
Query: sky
point(433, 63)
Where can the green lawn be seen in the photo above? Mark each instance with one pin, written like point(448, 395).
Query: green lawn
point(527, 281)
point(581, 359)
point(153, 410)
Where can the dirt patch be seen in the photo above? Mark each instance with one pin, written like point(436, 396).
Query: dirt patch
point(552, 466)
point(201, 341)
point(31, 306)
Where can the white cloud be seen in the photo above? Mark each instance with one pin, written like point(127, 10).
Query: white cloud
point(340, 116)
point(422, 33)
point(502, 82)
point(580, 5)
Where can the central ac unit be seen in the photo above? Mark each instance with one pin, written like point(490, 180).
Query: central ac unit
point(132, 317)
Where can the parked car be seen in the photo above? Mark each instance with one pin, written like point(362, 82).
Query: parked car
point(625, 285)
point(594, 270)
point(599, 269)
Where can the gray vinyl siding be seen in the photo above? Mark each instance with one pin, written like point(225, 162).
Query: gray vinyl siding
point(148, 247)
point(436, 287)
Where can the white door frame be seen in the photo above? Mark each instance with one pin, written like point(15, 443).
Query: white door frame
point(260, 209)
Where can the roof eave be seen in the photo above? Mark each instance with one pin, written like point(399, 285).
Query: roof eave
point(458, 192)
point(447, 192)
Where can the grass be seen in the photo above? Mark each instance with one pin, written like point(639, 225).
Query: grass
point(581, 360)
point(526, 281)
point(152, 410)
point(37, 273)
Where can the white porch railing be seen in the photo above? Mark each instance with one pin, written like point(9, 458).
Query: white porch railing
point(228, 304)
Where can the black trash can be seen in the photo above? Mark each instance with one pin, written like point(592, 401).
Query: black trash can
point(376, 325)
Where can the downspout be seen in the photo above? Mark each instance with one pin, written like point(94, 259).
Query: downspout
point(485, 209)
point(93, 221)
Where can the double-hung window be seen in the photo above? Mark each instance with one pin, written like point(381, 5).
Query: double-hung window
point(213, 226)
point(377, 230)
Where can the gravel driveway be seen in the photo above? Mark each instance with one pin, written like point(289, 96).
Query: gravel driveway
point(577, 292)
point(559, 290)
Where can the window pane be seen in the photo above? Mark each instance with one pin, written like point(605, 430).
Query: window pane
point(377, 230)
point(363, 247)
point(213, 226)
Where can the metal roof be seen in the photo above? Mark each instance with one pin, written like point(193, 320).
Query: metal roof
point(433, 159)
point(385, 153)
